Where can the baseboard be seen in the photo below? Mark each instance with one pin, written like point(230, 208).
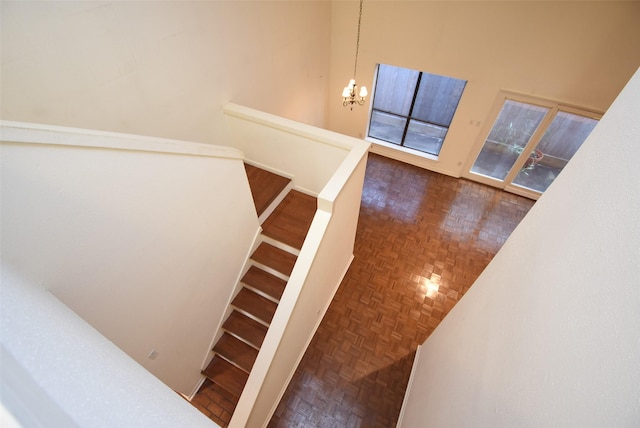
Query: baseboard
point(408, 390)
point(218, 330)
point(195, 390)
point(269, 168)
point(305, 191)
point(274, 204)
point(410, 158)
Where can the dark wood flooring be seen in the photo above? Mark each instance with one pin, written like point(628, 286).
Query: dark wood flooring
point(265, 186)
point(255, 304)
point(422, 240)
point(291, 219)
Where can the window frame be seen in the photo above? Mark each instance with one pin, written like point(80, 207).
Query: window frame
point(409, 118)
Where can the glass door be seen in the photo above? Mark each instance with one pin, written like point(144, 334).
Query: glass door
point(529, 144)
point(561, 140)
point(511, 133)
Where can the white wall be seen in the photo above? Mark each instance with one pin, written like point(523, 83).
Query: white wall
point(309, 155)
point(145, 246)
point(58, 371)
point(575, 52)
point(548, 336)
point(162, 68)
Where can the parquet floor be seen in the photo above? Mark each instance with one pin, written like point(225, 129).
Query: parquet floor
point(422, 240)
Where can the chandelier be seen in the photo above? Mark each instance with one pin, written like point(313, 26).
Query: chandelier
point(350, 94)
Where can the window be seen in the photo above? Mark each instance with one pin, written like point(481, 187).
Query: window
point(412, 108)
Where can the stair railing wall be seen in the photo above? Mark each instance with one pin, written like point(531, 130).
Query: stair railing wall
point(308, 154)
point(332, 167)
point(125, 230)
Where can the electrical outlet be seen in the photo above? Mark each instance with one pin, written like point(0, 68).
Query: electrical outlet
point(153, 354)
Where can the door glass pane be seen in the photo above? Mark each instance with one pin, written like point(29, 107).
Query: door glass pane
point(425, 137)
point(560, 142)
point(387, 127)
point(394, 89)
point(511, 132)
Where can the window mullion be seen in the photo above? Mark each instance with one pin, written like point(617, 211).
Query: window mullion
point(392, 120)
point(413, 102)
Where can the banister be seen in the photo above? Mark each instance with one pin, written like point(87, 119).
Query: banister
point(32, 133)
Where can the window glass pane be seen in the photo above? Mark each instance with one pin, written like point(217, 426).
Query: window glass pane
point(425, 137)
point(387, 127)
point(398, 98)
point(513, 129)
point(561, 140)
point(437, 99)
point(395, 87)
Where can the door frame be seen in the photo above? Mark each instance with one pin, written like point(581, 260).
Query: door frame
point(553, 108)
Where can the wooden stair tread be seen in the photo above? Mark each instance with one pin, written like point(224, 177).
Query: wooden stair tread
point(244, 327)
point(226, 375)
point(275, 258)
point(236, 351)
point(254, 304)
point(290, 221)
point(263, 281)
point(265, 186)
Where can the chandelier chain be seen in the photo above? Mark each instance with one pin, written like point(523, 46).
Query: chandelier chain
point(355, 66)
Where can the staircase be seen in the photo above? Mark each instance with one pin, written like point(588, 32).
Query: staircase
point(286, 216)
